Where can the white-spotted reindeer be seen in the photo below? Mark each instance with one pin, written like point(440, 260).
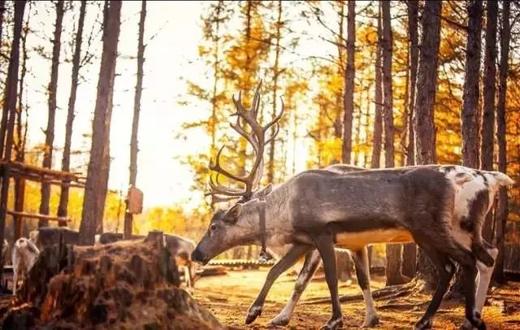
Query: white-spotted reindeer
point(321, 209)
point(25, 253)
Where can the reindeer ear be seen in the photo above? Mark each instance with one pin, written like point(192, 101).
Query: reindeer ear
point(262, 193)
point(233, 213)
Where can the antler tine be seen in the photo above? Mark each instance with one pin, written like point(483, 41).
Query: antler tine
point(274, 134)
point(217, 188)
point(220, 199)
point(277, 118)
point(218, 168)
point(251, 139)
point(255, 105)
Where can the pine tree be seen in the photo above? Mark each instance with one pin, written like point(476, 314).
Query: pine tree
point(99, 164)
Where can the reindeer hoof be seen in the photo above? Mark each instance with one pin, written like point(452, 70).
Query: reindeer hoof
point(474, 322)
point(253, 313)
point(370, 322)
point(423, 325)
point(332, 324)
point(280, 320)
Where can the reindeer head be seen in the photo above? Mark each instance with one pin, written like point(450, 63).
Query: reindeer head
point(236, 225)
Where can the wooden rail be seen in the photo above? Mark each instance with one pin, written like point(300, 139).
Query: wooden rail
point(38, 216)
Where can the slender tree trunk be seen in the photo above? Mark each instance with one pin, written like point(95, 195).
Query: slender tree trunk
point(502, 210)
point(488, 120)
point(393, 251)
point(65, 162)
point(216, 62)
point(488, 116)
point(348, 89)
point(413, 13)
point(378, 100)
point(242, 144)
point(19, 183)
point(134, 145)
point(9, 108)
point(49, 132)
point(2, 9)
point(470, 113)
point(424, 107)
point(99, 164)
point(276, 74)
point(471, 86)
point(388, 116)
point(3, 123)
point(410, 250)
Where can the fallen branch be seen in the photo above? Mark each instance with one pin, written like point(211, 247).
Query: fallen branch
point(385, 293)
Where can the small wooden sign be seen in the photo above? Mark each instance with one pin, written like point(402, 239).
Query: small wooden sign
point(134, 200)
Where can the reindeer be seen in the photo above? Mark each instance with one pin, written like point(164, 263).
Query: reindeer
point(24, 256)
point(317, 209)
point(484, 182)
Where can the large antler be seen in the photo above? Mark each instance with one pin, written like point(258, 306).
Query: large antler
point(256, 137)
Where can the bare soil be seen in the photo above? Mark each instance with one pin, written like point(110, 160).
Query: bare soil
point(228, 297)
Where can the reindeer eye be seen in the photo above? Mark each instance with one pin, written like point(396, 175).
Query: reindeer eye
point(212, 227)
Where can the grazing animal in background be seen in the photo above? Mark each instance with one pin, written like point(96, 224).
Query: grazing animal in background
point(5, 249)
point(179, 247)
point(317, 209)
point(182, 248)
point(25, 253)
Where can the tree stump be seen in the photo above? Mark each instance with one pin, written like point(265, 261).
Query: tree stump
point(127, 284)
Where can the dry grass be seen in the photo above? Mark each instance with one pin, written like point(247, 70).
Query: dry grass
point(228, 297)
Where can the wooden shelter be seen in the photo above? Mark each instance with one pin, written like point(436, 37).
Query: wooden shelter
point(22, 172)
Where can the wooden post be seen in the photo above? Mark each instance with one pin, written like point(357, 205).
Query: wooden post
point(19, 188)
point(129, 217)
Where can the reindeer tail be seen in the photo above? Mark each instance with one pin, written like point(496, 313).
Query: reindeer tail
point(502, 179)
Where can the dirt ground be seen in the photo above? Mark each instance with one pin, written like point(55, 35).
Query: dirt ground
point(229, 296)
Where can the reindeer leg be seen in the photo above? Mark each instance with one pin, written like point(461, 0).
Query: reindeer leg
point(468, 263)
point(15, 281)
point(483, 279)
point(325, 245)
point(485, 274)
point(281, 266)
point(363, 276)
point(312, 261)
point(445, 269)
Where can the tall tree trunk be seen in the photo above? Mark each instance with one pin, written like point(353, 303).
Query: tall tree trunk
point(3, 123)
point(393, 251)
point(276, 74)
point(501, 211)
point(410, 250)
point(348, 87)
point(10, 110)
point(488, 119)
point(99, 164)
point(242, 144)
point(19, 183)
point(471, 86)
point(488, 116)
point(134, 145)
point(470, 117)
point(424, 107)
point(413, 14)
point(49, 132)
point(375, 162)
point(216, 61)
point(2, 9)
point(65, 162)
